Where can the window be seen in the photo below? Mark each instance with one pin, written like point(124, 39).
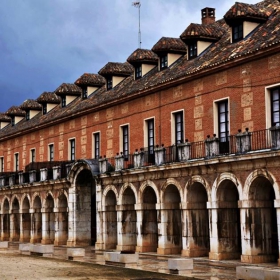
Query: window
point(163, 61)
point(51, 152)
point(237, 32)
point(125, 141)
point(1, 164)
point(96, 145)
point(192, 49)
point(27, 115)
point(63, 101)
point(44, 108)
point(16, 162)
point(72, 149)
point(32, 155)
point(151, 139)
point(13, 120)
point(275, 110)
point(223, 126)
point(138, 71)
point(179, 127)
point(109, 83)
point(84, 93)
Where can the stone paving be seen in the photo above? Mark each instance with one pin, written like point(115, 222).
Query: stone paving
point(204, 269)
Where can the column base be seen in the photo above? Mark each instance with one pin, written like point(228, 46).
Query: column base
point(126, 247)
point(144, 249)
point(35, 240)
point(195, 253)
point(14, 239)
point(169, 251)
point(60, 242)
point(224, 256)
point(47, 241)
point(258, 259)
point(24, 240)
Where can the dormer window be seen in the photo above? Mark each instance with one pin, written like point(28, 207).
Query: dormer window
point(63, 101)
point(192, 49)
point(27, 115)
point(44, 109)
point(84, 93)
point(138, 71)
point(13, 120)
point(109, 83)
point(237, 32)
point(163, 61)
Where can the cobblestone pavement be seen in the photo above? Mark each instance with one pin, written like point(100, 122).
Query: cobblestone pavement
point(150, 267)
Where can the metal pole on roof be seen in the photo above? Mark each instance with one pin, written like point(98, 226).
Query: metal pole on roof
point(138, 5)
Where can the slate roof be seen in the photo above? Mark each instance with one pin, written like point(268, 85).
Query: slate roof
point(116, 69)
point(143, 56)
point(30, 104)
point(48, 97)
point(15, 111)
point(88, 79)
point(212, 31)
point(166, 44)
point(4, 118)
point(264, 39)
point(68, 89)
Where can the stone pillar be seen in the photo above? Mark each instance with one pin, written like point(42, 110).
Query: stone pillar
point(243, 141)
point(103, 165)
point(61, 226)
point(56, 172)
point(36, 225)
point(119, 162)
point(25, 225)
point(12, 180)
point(5, 226)
point(43, 174)
point(275, 137)
point(213, 228)
point(138, 159)
point(277, 206)
point(160, 155)
point(14, 225)
point(170, 232)
point(212, 146)
point(256, 231)
point(2, 181)
point(32, 176)
point(184, 151)
point(20, 178)
point(48, 226)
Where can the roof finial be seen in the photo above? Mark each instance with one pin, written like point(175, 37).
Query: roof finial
point(138, 5)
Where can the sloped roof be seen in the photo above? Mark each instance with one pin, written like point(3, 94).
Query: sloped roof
point(212, 31)
point(142, 56)
point(48, 97)
point(88, 79)
point(30, 104)
point(166, 44)
point(4, 118)
point(247, 11)
point(68, 89)
point(116, 69)
point(15, 111)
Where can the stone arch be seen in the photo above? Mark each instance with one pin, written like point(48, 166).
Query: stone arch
point(230, 177)
point(168, 182)
point(24, 199)
point(227, 195)
point(122, 191)
point(142, 189)
point(83, 194)
point(196, 239)
point(106, 190)
point(148, 199)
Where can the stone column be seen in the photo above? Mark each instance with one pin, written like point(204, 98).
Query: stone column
point(14, 225)
point(48, 225)
point(61, 226)
point(213, 228)
point(277, 206)
point(36, 225)
point(25, 225)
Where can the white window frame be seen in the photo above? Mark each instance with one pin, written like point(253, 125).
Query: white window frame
point(93, 143)
point(2, 164)
point(49, 151)
point(70, 148)
point(30, 155)
point(215, 114)
point(173, 136)
point(16, 162)
point(121, 137)
point(268, 104)
point(145, 131)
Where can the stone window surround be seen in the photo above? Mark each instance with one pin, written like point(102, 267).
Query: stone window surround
point(51, 153)
point(71, 147)
point(173, 130)
point(122, 137)
point(268, 103)
point(16, 162)
point(32, 155)
point(94, 134)
point(2, 166)
point(146, 131)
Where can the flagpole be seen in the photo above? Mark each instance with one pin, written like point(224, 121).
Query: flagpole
point(138, 5)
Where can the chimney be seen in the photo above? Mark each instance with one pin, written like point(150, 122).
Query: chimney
point(208, 15)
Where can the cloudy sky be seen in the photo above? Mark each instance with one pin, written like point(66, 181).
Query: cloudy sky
point(44, 43)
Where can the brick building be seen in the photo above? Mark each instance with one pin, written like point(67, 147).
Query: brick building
point(174, 151)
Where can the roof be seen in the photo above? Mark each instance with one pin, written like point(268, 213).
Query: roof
point(265, 39)
point(4, 118)
point(30, 104)
point(15, 111)
point(68, 89)
point(210, 31)
point(143, 56)
point(48, 97)
point(247, 11)
point(166, 44)
point(88, 79)
point(116, 69)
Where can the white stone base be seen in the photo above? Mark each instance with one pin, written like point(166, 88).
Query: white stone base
point(116, 258)
point(4, 244)
point(75, 254)
point(41, 250)
point(256, 273)
point(24, 248)
point(180, 266)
